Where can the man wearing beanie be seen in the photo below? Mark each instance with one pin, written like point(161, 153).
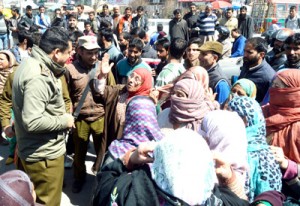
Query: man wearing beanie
point(211, 52)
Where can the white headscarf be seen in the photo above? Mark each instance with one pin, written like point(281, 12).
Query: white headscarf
point(183, 166)
point(225, 133)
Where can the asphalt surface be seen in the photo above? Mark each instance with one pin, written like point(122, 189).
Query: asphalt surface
point(68, 198)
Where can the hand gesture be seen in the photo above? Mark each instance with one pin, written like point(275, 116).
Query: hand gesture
point(105, 67)
point(141, 155)
point(279, 157)
point(211, 95)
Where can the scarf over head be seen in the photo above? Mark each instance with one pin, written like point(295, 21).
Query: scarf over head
point(283, 114)
point(140, 126)
point(197, 73)
point(146, 85)
point(225, 133)
point(248, 86)
point(183, 166)
point(16, 189)
point(192, 109)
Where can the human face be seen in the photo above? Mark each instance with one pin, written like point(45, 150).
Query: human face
point(61, 57)
point(229, 14)
point(127, 13)
point(13, 13)
point(4, 63)
point(292, 13)
point(79, 10)
point(162, 53)
point(193, 52)
point(293, 53)
point(72, 22)
point(278, 45)
point(207, 10)
point(238, 90)
point(91, 16)
point(243, 12)
point(178, 15)
point(88, 27)
point(179, 93)
point(29, 12)
point(122, 41)
point(207, 59)
point(140, 12)
point(251, 56)
point(133, 55)
point(278, 83)
point(42, 10)
point(88, 57)
point(234, 34)
point(106, 11)
point(193, 9)
point(134, 82)
point(58, 13)
point(116, 11)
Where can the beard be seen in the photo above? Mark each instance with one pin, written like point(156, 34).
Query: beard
point(243, 16)
point(250, 62)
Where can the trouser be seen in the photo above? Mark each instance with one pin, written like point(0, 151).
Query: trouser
point(81, 141)
point(207, 38)
point(47, 177)
point(4, 40)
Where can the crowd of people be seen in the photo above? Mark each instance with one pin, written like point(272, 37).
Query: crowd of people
point(168, 126)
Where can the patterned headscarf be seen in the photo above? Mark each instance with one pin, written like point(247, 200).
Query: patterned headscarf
point(183, 166)
point(248, 86)
point(225, 133)
point(140, 126)
point(192, 109)
point(197, 73)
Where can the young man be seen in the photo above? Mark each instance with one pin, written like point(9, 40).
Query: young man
point(223, 38)
point(191, 19)
point(178, 27)
point(72, 25)
point(59, 19)
point(41, 120)
point(255, 68)
point(292, 51)
point(81, 17)
point(210, 53)
point(292, 21)
point(116, 18)
point(132, 62)
point(140, 20)
point(13, 26)
point(125, 21)
point(174, 68)
point(88, 29)
point(246, 24)
point(42, 20)
point(4, 30)
point(93, 22)
point(229, 21)
point(104, 16)
point(238, 44)
point(27, 21)
point(162, 48)
point(22, 49)
point(91, 116)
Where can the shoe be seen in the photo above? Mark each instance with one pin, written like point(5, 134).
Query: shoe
point(77, 186)
point(9, 160)
point(68, 161)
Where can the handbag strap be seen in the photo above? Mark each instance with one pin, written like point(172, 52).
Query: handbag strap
point(85, 92)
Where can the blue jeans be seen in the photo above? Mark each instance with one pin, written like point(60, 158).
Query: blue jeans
point(4, 40)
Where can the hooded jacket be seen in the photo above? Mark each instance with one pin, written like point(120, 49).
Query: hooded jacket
point(40, 115)
point(5, 72)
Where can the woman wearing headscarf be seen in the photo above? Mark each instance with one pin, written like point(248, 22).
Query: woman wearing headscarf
point(244, 87)
point(183, 171)
point(283, 126)
point(189, 104)
point(140, 126)
point(264, 170)
point(115, 98)
point(225, 133)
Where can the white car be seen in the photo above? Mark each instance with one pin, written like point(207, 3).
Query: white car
point(152, 24)
point(231, 66)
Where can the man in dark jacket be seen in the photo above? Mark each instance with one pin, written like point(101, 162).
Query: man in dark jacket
point(27, 21)
point(59, 19)
point(246, 24)
point(140, 20)
point(178, 27)
point(191, 19)
point(255, 67)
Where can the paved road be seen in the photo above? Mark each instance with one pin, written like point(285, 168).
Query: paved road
point(68, 198)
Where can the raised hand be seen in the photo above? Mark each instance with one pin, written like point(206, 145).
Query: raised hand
point(105, 67)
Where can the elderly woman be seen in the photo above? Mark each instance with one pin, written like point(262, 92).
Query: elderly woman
point(264, 170)
point(225, 133)
point(116, 98)
point(283, 126)
point(189, 104)
point(183, 172)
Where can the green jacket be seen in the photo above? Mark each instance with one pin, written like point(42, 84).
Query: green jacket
point(40, 115)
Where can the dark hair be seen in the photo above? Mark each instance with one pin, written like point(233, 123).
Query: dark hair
point(105, 24)
point(177, 11)
point(195, 40)
point(36, 38)
point(92, 12)
point(74, 36)
point(159, 27)
point(28, 7)
point(24, 34)
point(140, 8)
point(16, 10)
point(177, 47)
point(105, 6)
point(126, 35)
point(54, 38)
point(138, 31)
point(259, 44)
point(229, 9)
point(243, 8)
point(108, 34)
point(81, 6)
point(128, 8)
point(192, 4)
point(72, 16)
point(294, 39)
point(137, 43)
point(164, 42)
point(42, 6)
point(236, 30)
point(293, 8)
point(58, 9)
point(87, 23)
